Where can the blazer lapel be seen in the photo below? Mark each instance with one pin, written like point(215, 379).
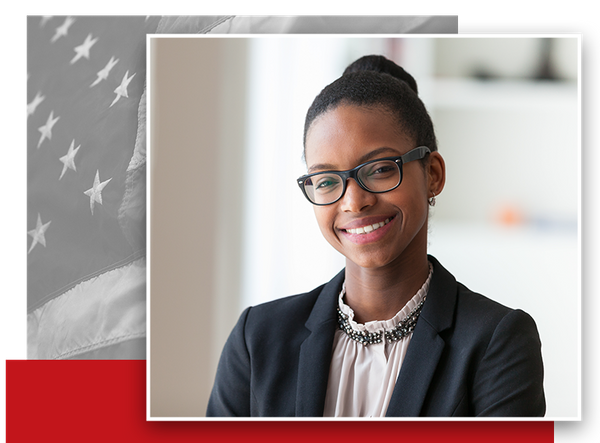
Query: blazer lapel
point(426, 345)
point(315, 351)
point(418, 367)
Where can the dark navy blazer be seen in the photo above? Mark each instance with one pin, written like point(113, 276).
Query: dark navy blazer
point(468, 356)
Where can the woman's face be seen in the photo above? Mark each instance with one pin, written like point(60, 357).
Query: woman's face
point(342, 139)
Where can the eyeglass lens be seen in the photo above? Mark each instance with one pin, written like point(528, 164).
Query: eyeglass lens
point(378, 176)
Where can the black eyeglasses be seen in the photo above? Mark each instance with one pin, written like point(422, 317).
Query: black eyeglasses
point(377, 176)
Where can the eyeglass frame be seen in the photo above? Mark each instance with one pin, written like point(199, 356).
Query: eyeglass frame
point(417, 153)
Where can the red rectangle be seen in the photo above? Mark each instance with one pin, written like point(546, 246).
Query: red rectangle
point(105, 400)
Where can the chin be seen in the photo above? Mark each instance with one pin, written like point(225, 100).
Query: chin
point(370, 262)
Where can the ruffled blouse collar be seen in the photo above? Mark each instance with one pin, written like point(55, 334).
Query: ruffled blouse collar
point(378, 325)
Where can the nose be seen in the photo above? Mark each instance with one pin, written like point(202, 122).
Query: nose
point(356, 199)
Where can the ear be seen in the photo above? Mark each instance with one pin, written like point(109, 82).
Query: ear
point(436, 173)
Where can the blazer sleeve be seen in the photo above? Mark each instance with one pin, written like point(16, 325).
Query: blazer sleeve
point(230, 396)
point(509, 379)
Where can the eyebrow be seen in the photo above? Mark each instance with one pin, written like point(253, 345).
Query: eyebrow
point(361, 160)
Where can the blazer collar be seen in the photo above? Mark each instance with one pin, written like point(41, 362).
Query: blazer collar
point(426, 345)
point(438, 310)
point(315, 351)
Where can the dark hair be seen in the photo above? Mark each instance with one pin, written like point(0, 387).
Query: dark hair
point(374, 81)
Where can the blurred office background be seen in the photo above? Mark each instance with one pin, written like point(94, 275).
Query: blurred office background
point(506, 113)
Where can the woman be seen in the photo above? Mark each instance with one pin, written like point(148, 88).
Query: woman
point(393, 334)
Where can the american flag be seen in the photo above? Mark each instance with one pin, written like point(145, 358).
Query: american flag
point(86, 186)
point(86, 176)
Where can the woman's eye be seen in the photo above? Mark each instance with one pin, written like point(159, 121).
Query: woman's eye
point(326, 184)
point(381, 170)
point(384, 169)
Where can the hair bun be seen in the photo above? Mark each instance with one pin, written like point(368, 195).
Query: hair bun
point(379, 63)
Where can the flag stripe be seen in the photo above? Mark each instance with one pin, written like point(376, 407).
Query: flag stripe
point(103, 311)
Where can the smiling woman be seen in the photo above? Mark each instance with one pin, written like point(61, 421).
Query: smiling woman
point(394, 333)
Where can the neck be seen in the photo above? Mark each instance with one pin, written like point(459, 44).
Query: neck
point(378, 294)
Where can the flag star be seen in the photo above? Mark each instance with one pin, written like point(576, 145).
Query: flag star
point(38, 233)
point(31, 107)
point(62, 30)
point(44, 19)
point(95, 192)
point(121, 90)
point(83, 50)
point(69, 159)
point(103, 74)
point(46, 130)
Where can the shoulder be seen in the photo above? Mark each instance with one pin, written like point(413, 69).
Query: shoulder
point(481, 309)
point(295, 315)
point(452, 302)
point(487, 327)
point(281, 318)
point(504, 354)
point(478, 312)
point(459, 313)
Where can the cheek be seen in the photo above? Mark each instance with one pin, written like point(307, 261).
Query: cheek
point(415, 192)
point(419, 213)
point(412, 205)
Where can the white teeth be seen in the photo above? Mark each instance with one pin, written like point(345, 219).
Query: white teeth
point(368, 228)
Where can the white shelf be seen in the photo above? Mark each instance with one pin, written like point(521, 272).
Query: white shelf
point(498, 94)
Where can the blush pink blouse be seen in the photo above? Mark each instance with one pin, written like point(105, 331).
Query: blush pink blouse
point(362, 378)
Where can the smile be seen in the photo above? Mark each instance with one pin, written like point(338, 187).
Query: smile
point(372, 233)
point(368, 228)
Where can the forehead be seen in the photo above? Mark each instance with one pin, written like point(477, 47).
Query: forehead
point(346, 133)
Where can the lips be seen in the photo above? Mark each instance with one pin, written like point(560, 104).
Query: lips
point(367, 230)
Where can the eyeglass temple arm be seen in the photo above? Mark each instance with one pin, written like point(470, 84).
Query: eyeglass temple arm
point(415, 154)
